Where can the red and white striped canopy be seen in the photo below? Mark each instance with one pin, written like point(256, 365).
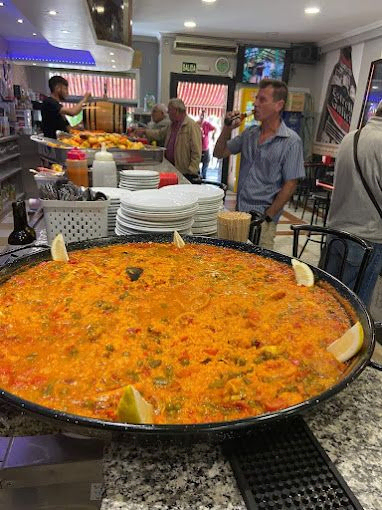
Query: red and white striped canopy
point(117, 87)
point(210, 97)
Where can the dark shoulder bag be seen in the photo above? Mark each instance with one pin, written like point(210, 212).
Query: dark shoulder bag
point(366, 186)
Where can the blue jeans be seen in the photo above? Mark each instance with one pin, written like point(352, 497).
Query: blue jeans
point(352, 264)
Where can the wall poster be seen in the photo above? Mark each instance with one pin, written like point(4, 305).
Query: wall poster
point(338, 106)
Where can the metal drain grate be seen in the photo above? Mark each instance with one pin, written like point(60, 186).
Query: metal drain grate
point(284, 467)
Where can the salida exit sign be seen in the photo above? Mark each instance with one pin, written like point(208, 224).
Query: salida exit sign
point(188, 67)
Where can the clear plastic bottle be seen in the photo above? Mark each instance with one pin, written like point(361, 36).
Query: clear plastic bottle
point(104, 169)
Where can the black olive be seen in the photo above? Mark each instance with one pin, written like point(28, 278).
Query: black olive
point(134, 273)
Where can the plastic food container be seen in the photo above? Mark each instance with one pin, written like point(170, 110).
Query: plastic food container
point(77, 167)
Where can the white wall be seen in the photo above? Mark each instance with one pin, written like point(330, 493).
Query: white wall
point(170, 62)
point(148, 79)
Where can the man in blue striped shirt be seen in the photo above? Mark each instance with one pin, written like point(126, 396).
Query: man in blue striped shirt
point(271, 158)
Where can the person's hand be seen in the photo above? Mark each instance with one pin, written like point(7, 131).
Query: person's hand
point(87, 96)
point(140, 132)
point(232, 119)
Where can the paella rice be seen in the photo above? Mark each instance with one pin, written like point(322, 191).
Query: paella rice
point(204, 333)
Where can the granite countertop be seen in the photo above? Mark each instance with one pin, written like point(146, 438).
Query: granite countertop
point(198, 477)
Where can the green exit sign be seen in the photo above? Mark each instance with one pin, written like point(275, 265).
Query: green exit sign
point(188, 67)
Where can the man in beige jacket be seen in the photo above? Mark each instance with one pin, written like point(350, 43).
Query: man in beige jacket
point(183, 139)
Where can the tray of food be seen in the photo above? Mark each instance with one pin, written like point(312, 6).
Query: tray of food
point(126, 150)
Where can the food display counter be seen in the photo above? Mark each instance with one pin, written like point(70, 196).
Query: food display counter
point(55, 151)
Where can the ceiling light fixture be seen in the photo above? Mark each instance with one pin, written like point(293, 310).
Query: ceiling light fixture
point(312, 10)
point(100, 9)
point(53, 13)
point(113, 67)
point(1, 4)
point(113, 60)
point(34, 34)
point(20, 20)
point(208, 1)
point(65, 31)
point(190, 24)
point(34, 64)
point(111, 53)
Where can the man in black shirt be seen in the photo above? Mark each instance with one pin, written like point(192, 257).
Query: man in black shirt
point(53, 112)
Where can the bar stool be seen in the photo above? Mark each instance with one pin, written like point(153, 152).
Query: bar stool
point(321, 203)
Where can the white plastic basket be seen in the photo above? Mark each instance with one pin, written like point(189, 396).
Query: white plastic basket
point(77, 221)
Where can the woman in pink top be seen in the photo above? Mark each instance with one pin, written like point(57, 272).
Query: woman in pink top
point(206, 129)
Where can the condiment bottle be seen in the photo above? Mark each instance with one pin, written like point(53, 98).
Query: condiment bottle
point(77, 167)
point(240, 116)
point(22, 233)
point(104, 169)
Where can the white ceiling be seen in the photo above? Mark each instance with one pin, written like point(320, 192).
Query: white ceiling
point(244, 20)
point(279, 20)
point(72, 16)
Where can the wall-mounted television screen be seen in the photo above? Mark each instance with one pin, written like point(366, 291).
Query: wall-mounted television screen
point(373, 93)
point(257, 62)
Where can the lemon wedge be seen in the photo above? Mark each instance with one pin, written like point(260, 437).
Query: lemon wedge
point(348, 344)
point(304, 275)
point(178, 241)
point(133, 408)
point(58, 249)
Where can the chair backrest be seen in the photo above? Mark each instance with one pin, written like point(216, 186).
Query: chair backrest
point(336, 243)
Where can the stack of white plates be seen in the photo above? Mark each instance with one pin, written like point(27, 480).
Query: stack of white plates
point(139, 179)
point(210, 201)
point(114, 195)
point(151, 211)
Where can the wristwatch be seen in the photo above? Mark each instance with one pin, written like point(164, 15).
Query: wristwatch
point(268, 219)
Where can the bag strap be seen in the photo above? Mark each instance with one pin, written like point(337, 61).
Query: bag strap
point(366, 186)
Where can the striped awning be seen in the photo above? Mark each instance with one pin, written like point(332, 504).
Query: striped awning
point(210, 97)
point(116, 87)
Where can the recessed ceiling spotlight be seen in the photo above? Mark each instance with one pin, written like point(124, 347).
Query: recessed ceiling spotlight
point(1, 4)
point(375, 87)
point(312, 10)
point(111, 53)
point(34, 34)
point(34, 64)
point(190, 24)
point(208, 1)
point(113, 67)
point(113, 60)
point(53, 13)
point(65, 31)
point(20, 20)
